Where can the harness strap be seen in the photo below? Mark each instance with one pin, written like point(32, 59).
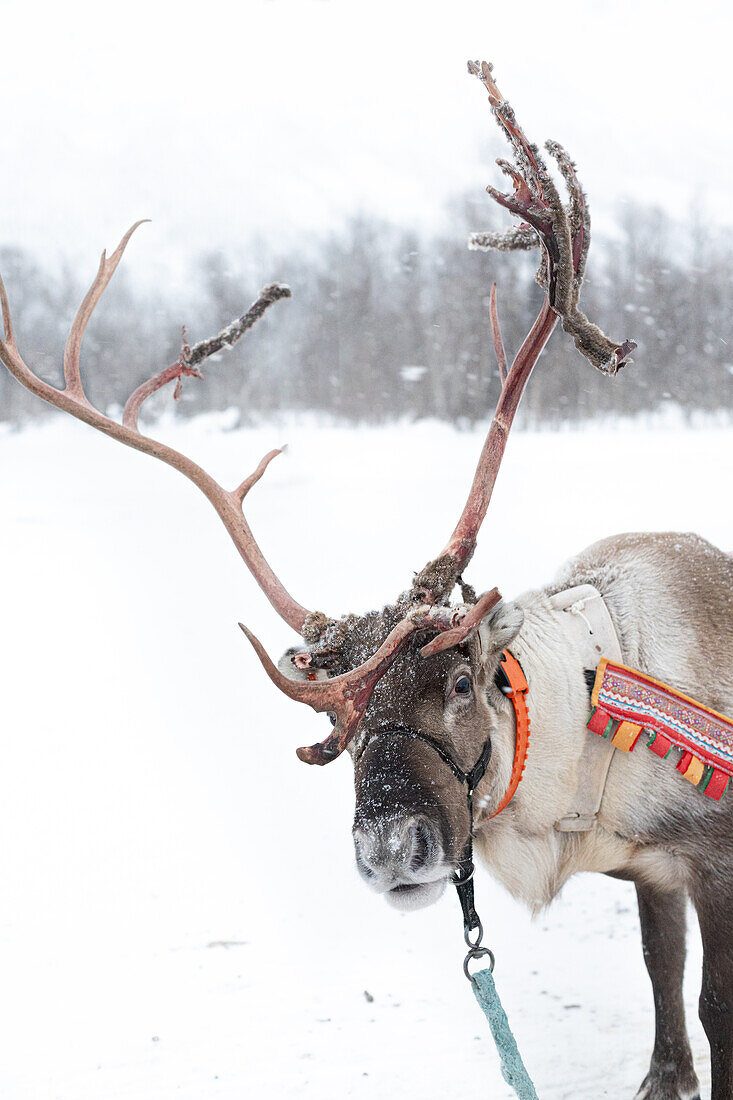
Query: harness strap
point(514, 685)
point(516, 691)
point(464, 873)
point(591, 628)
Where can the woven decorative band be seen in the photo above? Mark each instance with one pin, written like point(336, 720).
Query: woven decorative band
point(627, 703)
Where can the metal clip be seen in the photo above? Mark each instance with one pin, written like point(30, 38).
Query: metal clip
point(476, 951)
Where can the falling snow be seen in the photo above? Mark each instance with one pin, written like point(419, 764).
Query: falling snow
point(181, 915)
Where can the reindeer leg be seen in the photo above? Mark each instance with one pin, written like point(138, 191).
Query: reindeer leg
point(671, 1074)
point(714, 902)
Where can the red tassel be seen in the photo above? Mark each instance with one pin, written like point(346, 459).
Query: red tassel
point(717, 785)
point(660, 744)
point(684, 762)
point(600, 722)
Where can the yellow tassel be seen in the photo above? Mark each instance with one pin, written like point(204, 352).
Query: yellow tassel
point(626, 736)
point(694, 770)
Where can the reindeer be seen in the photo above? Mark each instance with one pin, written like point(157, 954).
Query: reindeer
point(423, 697)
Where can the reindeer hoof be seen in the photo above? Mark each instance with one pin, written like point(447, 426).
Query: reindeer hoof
point(669, 1083)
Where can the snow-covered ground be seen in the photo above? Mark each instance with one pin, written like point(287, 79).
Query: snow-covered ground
point(179, 912)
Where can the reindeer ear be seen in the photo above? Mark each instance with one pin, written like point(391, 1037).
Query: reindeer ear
point(295, 664)
point(501, 626)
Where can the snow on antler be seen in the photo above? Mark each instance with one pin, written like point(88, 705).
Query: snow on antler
point(563, 233)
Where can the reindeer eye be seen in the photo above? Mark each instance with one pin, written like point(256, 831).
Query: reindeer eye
point(332, 719)
point(462, 685)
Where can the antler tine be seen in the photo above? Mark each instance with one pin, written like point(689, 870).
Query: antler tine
point(564, 235)
point(528, 158)
point(72, 400)
point(606, 355)
point(107, 268)
point(135, 401)
point(470, 621)
point(241, 491)
point(233, 332)
point(8, 335)
point(462, 542)
point(345, 696)
point(496, 335)
point(189, 358)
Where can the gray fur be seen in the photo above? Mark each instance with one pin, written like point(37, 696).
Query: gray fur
point(671, 600)
point(502, 624)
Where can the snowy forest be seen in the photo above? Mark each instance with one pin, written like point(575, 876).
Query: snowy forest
point(385, 324)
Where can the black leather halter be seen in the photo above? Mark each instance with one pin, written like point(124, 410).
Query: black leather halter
point(463, 880)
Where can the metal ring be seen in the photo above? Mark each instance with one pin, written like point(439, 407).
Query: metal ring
point(478, 953)
point(474, 945)
point(467, 879)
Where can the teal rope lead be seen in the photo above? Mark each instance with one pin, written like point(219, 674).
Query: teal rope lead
point(512, 1067)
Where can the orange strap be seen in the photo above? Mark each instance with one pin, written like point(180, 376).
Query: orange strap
point(518, 694)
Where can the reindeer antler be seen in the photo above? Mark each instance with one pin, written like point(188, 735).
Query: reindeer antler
point(347, 696)
point(72, 399)
point(563, 233)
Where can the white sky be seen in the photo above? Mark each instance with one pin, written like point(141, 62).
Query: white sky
point(279, 117)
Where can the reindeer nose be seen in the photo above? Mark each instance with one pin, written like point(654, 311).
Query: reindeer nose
point(396, 851)
point(423, 841)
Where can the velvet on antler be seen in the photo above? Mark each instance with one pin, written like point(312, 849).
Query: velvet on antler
point(346, 697)
point(563, 234)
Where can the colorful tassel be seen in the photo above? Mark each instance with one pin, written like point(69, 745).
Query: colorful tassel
point(626, 736)
point(691, 767)
point(660, 744)
point(627, 702)
point(717, 784)
point(600, 722)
